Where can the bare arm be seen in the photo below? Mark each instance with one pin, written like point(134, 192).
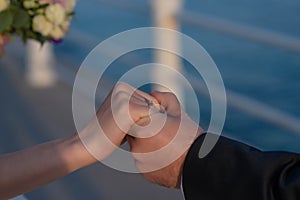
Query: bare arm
point(25, 170)
point(28, 169)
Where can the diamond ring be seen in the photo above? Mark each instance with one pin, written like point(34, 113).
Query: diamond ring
point(149, 102)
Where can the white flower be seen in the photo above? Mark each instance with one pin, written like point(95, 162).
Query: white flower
point(30, 4)
point(65, 25)
point(55, 13)
point(69, 5)
point(40, 11)
point(42, 25)
point(4, 4)
point(57, 33)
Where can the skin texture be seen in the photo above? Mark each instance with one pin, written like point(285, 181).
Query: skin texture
point(28, 169)
point(170, 175)
point(119, 101)
point(3, 42)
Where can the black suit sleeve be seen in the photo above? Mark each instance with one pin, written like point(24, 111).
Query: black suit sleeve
point(235, 171)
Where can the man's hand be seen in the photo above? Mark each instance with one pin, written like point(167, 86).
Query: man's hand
point(3, 42)
point(177, 135)
point(123, 107)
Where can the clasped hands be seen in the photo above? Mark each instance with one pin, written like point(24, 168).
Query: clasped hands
point(159, 153)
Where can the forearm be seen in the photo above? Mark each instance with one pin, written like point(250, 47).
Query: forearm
point(28, 169)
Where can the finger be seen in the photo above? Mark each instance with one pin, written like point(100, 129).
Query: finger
point(143, 121)
point(138, 111)
point(152, 108)
point(146, 96)
point(161, 97)
point(147, 99)
point(154, 102)
point(141, 98)
point(123, 95)
point(122, 86)
point(169, 101)
point(126, 88)
point(1, 51)
point(144, 129)
point(138, 100)
point(131, 137)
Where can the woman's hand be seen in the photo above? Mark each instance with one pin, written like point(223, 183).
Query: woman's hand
point(3, 42)
point(123, 107)
point(31, 168)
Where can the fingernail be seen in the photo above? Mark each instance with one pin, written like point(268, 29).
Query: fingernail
point(156, 105)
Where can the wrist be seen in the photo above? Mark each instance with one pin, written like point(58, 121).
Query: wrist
point(75, 154)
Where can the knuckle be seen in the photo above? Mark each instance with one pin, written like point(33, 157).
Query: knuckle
point(119, 105)
point(121, 86)
point(123, 106)
point(171, 95)
point(134, 111)
point(120, 96)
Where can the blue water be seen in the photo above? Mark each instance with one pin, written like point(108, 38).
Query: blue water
point(265, 73)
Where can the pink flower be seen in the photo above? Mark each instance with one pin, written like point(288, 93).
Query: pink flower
point(67, 4)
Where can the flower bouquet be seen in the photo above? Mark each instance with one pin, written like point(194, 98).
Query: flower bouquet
point(40, 20)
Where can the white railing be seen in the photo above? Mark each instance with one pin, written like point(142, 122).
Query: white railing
point(238, 101)
point(251, 33)
point(198, 20)
point(40, 71)
point(243, 103)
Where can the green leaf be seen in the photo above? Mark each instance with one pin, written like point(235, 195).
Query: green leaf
point(16, 3)
point(6, 19)
point(20, 19)
point(45, 5)
point(29, 34)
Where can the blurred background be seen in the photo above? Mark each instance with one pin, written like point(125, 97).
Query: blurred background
point(255, 44)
